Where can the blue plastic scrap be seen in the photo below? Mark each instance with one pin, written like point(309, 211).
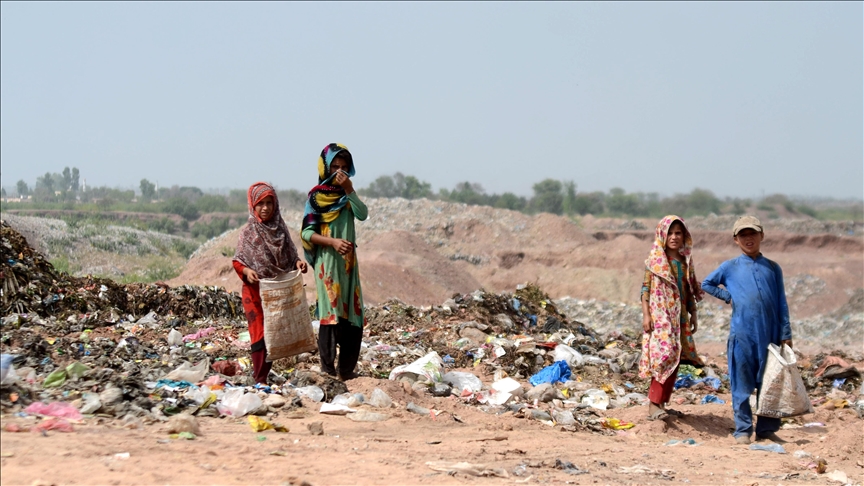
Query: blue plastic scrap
point(712, 399)
point(688, 380)
point(768, 448)
point(557, 371)
point(173, 383)
point(516, 304)
point(839, 382)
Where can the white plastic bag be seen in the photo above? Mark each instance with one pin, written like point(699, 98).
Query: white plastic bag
point(571, 356)
point(429, 366)
point(596, 398)
point(187, 372)
point(783, 393)
point(7, 371)
point(463, 381)
point(175, 338)
point(237, 403)
point(379, 399)
point(287, 325)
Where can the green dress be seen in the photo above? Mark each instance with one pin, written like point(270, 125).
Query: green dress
point(337, 277)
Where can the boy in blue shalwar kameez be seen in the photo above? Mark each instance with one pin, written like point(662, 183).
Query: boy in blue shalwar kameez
point(760, 316)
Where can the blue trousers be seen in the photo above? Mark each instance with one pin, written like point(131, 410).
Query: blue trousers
point(745, 376)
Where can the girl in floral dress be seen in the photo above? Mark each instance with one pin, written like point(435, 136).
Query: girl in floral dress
point(669, 295)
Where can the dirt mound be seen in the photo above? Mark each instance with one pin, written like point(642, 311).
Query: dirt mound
point(421, 251)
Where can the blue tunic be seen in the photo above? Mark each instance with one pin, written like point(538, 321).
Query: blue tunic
point(760, 316)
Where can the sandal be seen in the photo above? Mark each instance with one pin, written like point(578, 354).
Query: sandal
point(658, 415)
point(674, 413)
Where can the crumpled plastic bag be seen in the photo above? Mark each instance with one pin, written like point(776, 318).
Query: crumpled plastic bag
point(571, 356)
point(74, 371)
point(54, 409)
point(226, 367)
point(431, 366)
point(187, 372)
point(616, 424)
point(53, 423)
point(557, 371)
point(237, 403)
point(258, 424)
point(7, 371)
point(463, 381)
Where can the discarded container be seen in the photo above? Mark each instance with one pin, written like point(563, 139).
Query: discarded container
point(287, 325)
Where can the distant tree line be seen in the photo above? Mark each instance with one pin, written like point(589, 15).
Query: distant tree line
point(561, 197)
point(63, 190)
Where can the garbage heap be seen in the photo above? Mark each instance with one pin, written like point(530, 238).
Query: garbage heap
point(31, 285)
point(141, 354)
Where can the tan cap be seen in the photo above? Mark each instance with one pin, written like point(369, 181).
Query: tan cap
point(745, 222)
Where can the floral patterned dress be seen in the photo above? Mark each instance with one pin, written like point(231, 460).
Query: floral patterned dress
point(337, 277)
point(672, 292)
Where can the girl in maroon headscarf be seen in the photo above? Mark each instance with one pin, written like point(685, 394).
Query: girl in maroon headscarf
point(265, 250)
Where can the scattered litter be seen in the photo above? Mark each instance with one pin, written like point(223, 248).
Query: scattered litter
point(768, 448)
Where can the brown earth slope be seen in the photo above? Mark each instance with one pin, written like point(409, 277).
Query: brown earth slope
point(422, 252)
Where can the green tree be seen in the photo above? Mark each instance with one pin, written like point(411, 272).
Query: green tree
point(148, 190)
point(211, 203)
point(46, 182)
point(620, 202)
point(383, 186)
point(701, 202)
point(23, 189)
point(569, 202)
point(75, 179)
point(181, 207)
point(508, 200)
point(413, 188)
point(67, 179)
point(466, 192)
point(548, 196)
point(588, 203)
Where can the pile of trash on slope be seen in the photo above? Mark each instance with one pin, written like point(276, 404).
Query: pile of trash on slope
point(163, 365)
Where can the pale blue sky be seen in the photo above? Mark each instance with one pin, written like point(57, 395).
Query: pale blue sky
point(736, 97)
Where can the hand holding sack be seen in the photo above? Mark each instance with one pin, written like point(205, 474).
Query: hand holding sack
point(287, 324)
